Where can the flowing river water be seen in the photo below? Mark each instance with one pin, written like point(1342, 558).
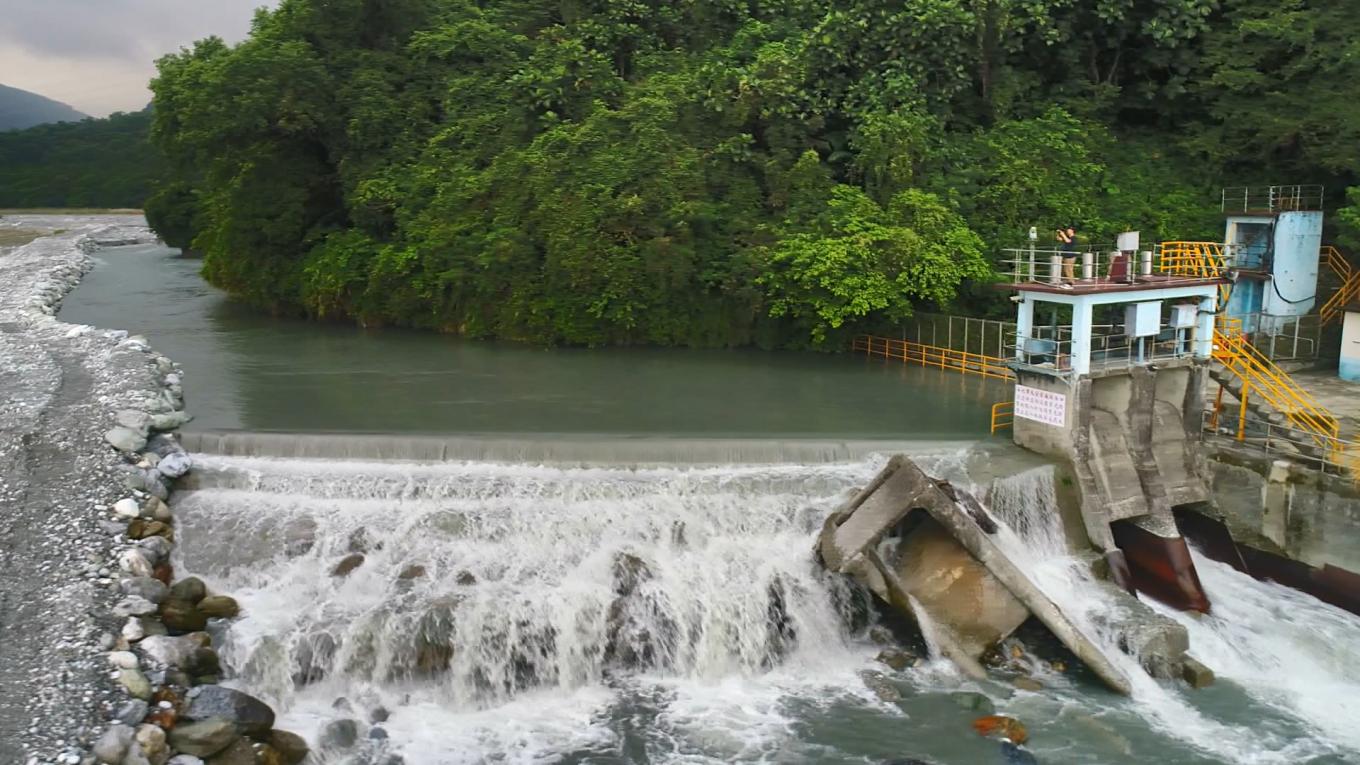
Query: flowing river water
point(587, 606)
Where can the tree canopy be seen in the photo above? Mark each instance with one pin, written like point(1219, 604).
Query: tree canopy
point(772, 172)
point(91, 163)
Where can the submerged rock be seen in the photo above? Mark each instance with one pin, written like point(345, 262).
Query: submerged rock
point(974, 702)
point(313, 656)
point(219, 607)
point(1017, 755)
point(1008, 728)
point(347, 564)
point(896, 658)
point(339, 734)
point(292, 748)
point(881, 687)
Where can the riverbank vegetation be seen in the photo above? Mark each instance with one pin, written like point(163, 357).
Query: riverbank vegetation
point(773, 172)
point(93, 163)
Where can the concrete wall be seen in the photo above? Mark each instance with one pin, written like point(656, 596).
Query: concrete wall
point(1130, 440)
point(1349, 367)
point(1304, 514)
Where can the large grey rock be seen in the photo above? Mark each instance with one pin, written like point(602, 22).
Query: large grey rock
point(138, 422)
point(169, 651)
point(164, 444)
point(148, 480)
point(125, 440)
point(113, 744)
point(133, 605)
point(203, 738)
point(250, 715)
point(175, 465)
point(170, 420)
point(145, 587)
point(159, 548)
point(131, 712)
point(135, 683)
point(126, 508)
point(184, 759)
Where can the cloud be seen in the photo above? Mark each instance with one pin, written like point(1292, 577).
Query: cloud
point(98, 55)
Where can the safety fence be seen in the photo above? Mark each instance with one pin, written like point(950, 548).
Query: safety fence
point(911, 352)
point(1336, 456)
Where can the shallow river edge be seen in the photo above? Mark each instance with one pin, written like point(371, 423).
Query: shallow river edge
point(92, 425)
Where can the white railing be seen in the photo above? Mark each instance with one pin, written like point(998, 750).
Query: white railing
point(1271, 199)
point(1049, 349)
point(1058, 267)
point(985, 337)
point(1283, 338)
point(1229, 425)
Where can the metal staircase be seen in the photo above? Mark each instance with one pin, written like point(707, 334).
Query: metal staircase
point(1260, 385)
point(1246, 372)
point(1349, 278)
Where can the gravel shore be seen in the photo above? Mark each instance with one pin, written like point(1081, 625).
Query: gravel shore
point(61, 386)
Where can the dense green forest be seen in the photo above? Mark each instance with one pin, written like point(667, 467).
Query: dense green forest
point(772, 172)
point(91, 163)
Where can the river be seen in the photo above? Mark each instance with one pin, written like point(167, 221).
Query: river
point(248, 371)
point(478, 621)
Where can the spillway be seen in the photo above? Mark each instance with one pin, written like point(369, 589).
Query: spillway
point(671, 613)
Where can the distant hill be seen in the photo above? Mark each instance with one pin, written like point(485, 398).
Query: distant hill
point(20, 109)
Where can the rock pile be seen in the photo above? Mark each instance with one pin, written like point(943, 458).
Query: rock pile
point(177, 714)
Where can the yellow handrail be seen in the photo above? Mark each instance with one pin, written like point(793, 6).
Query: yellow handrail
point(1204, 260)
point(1003, 415)
point(1264, 378)
point(934, 356)
point(1333, 259)
point(1345, 295)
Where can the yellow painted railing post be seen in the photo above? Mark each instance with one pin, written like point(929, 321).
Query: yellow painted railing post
point(1242, 412)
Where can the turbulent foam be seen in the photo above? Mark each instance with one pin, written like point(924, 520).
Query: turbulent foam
point(1033, 535)
point(1286, 649)
point(535, 580)
point(667, 614)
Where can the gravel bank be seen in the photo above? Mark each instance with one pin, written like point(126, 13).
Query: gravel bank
point(61, 386)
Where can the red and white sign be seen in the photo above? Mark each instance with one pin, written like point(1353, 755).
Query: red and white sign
point(1041, 405)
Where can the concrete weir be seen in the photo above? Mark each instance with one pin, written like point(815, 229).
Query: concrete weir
point(1129, 436)
point(946, 571)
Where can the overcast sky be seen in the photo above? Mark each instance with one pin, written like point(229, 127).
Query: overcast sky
point(98, 55)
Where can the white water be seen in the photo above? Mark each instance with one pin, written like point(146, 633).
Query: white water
point(744, 655)
point(520, 578)
point(1276, 644)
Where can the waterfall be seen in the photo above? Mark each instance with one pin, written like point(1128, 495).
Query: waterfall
point(1261, 666)
point(483, 591)
point(613, 613)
